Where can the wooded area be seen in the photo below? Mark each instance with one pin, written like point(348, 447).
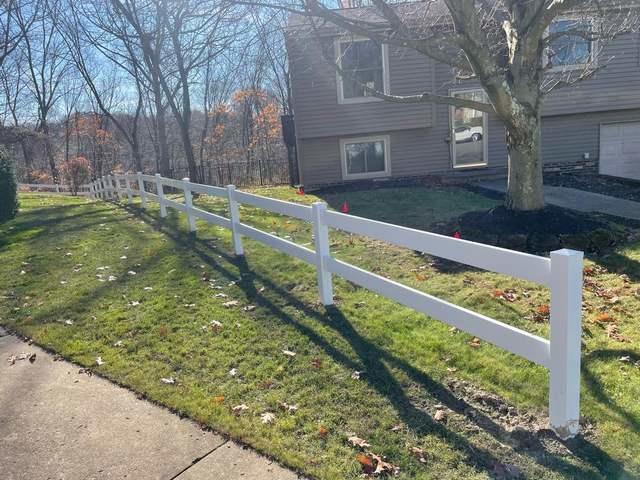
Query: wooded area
point(182, 88)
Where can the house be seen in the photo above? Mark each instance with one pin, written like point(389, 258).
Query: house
point(344, 134)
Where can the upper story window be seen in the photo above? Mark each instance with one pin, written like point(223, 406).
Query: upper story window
point(570, 50)
point(363, 62)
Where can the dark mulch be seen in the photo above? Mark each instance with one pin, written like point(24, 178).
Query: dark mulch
point(614, 187)
point(539, 232)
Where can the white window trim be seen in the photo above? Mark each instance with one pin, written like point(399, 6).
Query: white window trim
point(578, 66)
point(386, 139)
point(485, 134)
point(385, 71)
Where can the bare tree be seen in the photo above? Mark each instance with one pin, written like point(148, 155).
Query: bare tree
point(47, 65)
point(509, 47)
point(97, 73)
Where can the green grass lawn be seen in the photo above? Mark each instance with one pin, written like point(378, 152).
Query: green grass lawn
point(89, 278)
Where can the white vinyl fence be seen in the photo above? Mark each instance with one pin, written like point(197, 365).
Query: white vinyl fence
point(562, 273)
point(53, 188)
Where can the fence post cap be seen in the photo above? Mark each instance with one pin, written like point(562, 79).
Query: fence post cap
point(139, 173)
point(319, 204)
point(567, 252)
point(185, 179)
point(231, 187)
point(158, 175)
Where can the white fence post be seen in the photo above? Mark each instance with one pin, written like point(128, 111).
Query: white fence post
point(188, 203)
point(565, 342)
point(321, 238)
point(128, 185)
point(163, 207)
point(234, 216)
point(143, 197)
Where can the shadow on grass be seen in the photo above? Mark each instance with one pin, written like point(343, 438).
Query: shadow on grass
point(596, 387)
point(374, 360)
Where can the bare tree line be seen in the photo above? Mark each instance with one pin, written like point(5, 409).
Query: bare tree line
point(181, 87)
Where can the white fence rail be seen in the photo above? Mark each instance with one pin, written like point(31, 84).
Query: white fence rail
point(53, 188)
point(562, 273)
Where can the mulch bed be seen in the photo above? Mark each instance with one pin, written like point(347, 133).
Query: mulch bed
point(619, 188)
point(538, 232)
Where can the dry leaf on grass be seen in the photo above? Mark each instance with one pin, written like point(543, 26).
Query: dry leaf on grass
point(440, 416)
point(509, 295)
point(230, 304)
point(357, 375)
point(249, 308)
point(289, 353)
point(604, 318)
point(614, 333)
point(99, 361)
point(474, 342)
point(323, 432)
point(168, 381)
point(287, 407)
point(358, 442)
point(239, 409)
point(218, 399)
point(375, 465)
point(267, 417)
point(316, 363)
point(233, 372)
point(418, 453)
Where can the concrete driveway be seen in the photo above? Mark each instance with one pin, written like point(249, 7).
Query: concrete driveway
point(577, 199)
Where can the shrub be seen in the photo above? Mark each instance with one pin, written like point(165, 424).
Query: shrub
point(8, 187)
point(75, 172)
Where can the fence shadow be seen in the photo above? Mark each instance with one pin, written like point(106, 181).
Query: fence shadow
point(374, 361)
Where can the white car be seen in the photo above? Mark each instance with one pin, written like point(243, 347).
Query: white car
point(468, 134)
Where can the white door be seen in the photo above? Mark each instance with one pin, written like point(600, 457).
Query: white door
point(620, 150)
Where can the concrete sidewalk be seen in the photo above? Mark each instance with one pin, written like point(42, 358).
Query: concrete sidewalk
point(57, 423)
point(577, 199)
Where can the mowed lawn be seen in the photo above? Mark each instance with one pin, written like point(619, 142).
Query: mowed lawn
point(93, 279)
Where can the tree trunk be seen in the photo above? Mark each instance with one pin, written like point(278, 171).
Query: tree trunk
point(525, 191)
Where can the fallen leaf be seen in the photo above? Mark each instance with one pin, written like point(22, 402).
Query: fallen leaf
point(169, 381)
point(229, 304)
point(218, 399)
point(474, 342)
point(289, 353)
point(397, 428)
point(358, 442)
point(249, 308)
point(239, 409)
point(99, 361)
point(267, 417)
point(614, 333)
point(289, 407)
point(418, 453)
point(366, 462)
point(604, 318)
point(440, 416)
point(316, 363)
point(233, 372)
point(68, 322)
point(357, 375)
point(131, 272)
point(323, 432)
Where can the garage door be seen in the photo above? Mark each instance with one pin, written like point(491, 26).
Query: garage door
point(620, 150)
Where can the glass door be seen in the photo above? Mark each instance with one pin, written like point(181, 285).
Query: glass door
point(468, 132)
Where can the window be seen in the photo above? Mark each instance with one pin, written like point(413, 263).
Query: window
point(362, 62)
point(365, 157)
point(469, 146)
point(570, 50)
